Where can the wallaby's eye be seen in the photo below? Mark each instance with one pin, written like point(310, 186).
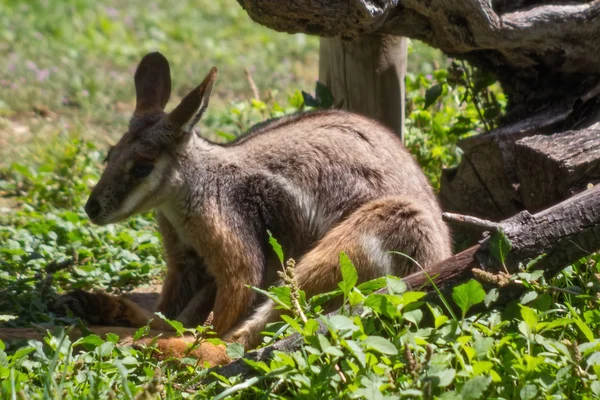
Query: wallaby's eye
point(141, 170)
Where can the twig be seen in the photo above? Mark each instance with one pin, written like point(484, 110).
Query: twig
point(470, 221)
point(255, 92)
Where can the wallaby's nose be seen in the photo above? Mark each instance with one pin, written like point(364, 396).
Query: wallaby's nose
point(92, 208)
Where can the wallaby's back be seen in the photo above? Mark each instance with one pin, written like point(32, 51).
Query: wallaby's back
point(321, 166)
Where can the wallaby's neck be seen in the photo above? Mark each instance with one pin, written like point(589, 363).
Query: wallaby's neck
point(202, 167)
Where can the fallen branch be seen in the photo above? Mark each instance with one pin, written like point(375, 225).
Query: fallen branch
point(470, 221)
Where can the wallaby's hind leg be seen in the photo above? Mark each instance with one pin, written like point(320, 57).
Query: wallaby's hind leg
point(367, 236)
point(187, 295)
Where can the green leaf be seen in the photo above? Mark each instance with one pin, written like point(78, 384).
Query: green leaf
point(593, 359)
point(259, 366)
point(409, 298)
point(450, 396)
point(21, 353)
point(381, 345)
point(528, 297)
point(311, 327)
point(432, 94)
point(293, 323)
point(372, 285)
point(595, 386)
point(227, 136)
point(324, 96)
point(491, 297)
point(500, 246)
point(414, 316)
point(395, 285)
point(380, 304)
point(467, 295)
point(273, 296)
point(370, 389)
point(326, 347)
point(528, 392)
point(355, 297)
point(143, 331)
point(444, 377)
point(178, 326)
point(283, 294)
point(276, 247)
point(580, 324)
point(93, 340)
point(342, 323)
point(105, 349)
point(357, 351)
point(296, 100)
point(111, 337)
point(349, 274)
point(235, 351)
point(475, 387)
point(529, 316)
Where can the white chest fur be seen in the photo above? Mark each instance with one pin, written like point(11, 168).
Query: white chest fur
point(177, 221)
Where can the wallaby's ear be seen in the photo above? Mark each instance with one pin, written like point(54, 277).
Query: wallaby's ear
point(152, 83)
point(188, 112)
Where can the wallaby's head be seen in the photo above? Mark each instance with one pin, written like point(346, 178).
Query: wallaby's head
point(141, 168)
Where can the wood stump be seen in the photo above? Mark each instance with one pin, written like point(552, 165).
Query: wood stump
point(366, 76)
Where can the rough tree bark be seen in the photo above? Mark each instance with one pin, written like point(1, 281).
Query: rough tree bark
point(541, 50)
point(519, 166)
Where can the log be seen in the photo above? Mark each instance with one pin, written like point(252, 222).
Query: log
point(486, 184)
point(366, 76)
point(564, 233)
point(541, 50)
point(552, 168)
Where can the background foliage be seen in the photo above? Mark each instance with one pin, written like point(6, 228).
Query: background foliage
point(66, 92)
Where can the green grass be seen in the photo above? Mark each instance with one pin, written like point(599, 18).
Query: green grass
point(66, 67)
point(66, 91)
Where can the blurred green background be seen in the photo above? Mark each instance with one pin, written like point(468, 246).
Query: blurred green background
point(67, 66)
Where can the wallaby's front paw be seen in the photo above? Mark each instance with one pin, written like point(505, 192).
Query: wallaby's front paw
point(96, 308)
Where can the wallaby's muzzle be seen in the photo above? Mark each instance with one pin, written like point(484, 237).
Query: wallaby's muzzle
point(92, 208)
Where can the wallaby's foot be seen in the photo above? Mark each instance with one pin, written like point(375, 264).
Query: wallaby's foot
point(96, 308)
point(179, 347)
point(99, 308)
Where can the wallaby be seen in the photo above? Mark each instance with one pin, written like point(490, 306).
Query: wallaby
point(321, 182)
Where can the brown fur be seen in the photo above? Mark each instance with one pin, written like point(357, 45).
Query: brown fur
point(321, 182)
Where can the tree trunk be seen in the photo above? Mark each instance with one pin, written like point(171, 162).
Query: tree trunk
point(366, 76)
